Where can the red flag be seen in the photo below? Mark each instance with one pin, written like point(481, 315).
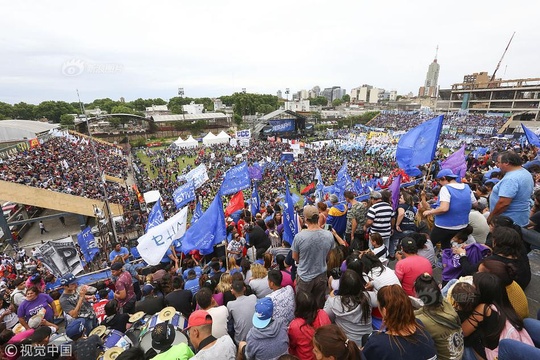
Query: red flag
point(236, 203)
point(308, 188)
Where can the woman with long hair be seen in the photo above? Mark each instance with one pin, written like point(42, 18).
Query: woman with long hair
point(507, 273)
point(351, 307)
point(307, 318)
point(233, 267)
point(494, 318)
point(331, 343)
point(403, 337)
point(439, 317)
point(378, 274)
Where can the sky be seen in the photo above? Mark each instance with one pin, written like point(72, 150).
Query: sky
point(133, 49)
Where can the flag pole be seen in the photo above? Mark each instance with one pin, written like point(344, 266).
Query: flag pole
point(427, 175)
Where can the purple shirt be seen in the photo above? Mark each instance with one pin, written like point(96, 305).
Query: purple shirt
point(27, 309)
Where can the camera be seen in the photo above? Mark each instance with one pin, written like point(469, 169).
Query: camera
point(328, 227)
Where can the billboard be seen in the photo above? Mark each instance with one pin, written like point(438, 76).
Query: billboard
point(286, 125)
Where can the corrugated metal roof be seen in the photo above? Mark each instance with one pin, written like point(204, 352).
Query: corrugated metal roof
point(14, 130)
point(272, 114)
point(189, 117)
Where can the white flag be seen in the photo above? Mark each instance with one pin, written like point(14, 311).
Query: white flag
point(154, 244)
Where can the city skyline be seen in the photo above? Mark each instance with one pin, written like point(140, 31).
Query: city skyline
point(131, 50)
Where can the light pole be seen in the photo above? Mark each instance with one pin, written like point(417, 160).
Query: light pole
point(101, 174)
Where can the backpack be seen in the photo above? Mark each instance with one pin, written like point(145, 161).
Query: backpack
point(509, 332)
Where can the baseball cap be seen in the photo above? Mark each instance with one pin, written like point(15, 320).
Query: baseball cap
point(264, 308)
point(163, 336)
point(445, 173)
point(198, 318)
point(375, 195)
point(408, 245)
point(67, 279)
point(117, 266)
point(310, 212)
point(333, 198)
point(147, 289)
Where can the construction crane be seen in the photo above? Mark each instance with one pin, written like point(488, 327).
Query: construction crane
point(502, 57)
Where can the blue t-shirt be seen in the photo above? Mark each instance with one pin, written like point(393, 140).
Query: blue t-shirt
point(192, 285)
point(166, 259)
point(197, 270)
point(123, 251)
point(517, 185)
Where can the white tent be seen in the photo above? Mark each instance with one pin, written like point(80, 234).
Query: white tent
point(190, 142)
point(178, 142)
point(223, 137)
point(210, 139)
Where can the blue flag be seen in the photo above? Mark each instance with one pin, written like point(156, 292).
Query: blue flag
point(88, 244)
point(236, 179)
point(255, 201)
point(341, 181)
point(184, 194)
point(156, 216)
point(287, 157)
point(208, 231)
point(531, 136)
point(358, 187)
point(197, 213)
point(418, 145)
point(290, 228)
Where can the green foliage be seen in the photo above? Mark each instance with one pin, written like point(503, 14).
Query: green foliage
point(140, 142)
point(53, 110)
point(26, 111)
point(175, 103)
point(249, 104)
point(121, 109)
point(67, 119)
point(197, 127)
point(115, 122)
point(6, 111)
point(319, 100)
point(346, 98)
point(361, 119)
point(104, 104)
point(237, 119)
point(337, 102)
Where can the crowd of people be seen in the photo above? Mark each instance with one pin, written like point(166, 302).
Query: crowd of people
point(358, 280)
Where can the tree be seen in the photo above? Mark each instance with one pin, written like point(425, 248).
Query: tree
point(121, 109)
point(115, 122)
point(6, 111)
point(265, 108)
point(337, 102)
point(237, 119)
point(52, 110)
point(67, 120)
point(346, 98)
point(25, 111)
point(319, 100)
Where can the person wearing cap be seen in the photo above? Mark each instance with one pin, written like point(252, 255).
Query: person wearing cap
point(124, 294)
point(380, 217)
point(337, 216)
point(268, 338)
point(208, 347)
point(75, 306)
point(512, 195)
point(410, 265)
point(454, 204)
point(163, 336)
point(119, 253)
point(150, 303)
point(310, 249)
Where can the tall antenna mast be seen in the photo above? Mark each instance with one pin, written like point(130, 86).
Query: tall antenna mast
point(436, 53)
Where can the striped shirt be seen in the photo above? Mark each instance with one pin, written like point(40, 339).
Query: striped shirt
point(381, 213)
